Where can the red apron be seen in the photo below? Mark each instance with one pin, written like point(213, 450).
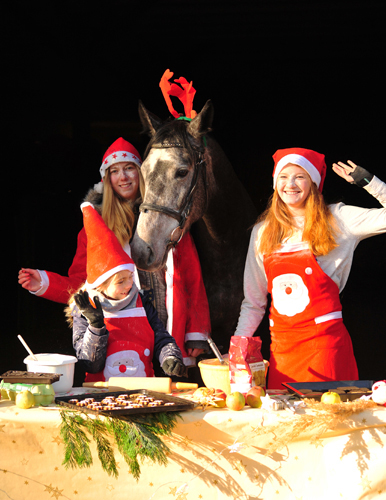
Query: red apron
point(130, 345)
point(309, 340)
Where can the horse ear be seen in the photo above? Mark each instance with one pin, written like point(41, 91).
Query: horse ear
point(202, 123)
point(150, 122)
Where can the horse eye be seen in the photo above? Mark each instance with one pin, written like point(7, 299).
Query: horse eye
point(182, 172)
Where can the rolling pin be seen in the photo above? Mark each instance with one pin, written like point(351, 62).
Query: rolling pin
point(158, 384)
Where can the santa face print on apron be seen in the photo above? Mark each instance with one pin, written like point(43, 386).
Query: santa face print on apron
point(130, 345)
point(309, 341)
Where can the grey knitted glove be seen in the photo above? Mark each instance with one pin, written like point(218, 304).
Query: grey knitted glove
point(173, 366)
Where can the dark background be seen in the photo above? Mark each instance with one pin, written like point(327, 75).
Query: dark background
point(280, 74)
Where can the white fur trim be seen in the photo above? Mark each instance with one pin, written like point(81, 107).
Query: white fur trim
point(133, 312)
point(301, 161)
point(127, 249)
point(328, 317)
point(117, 157)
point(86, 204)
point(196, 336)
point(44, 283)
point(107, 274)
point(190, 361)
point(169, 290)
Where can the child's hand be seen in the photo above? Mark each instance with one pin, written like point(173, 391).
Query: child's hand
point(94, 315)
point(173, 366)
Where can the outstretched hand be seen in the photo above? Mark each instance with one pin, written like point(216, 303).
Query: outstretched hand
point(344, 170)
point(94, 315)
point(29, 279)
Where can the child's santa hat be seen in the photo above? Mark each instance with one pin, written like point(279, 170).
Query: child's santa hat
point(105, 256)
point(312, 162)
point(120, 150)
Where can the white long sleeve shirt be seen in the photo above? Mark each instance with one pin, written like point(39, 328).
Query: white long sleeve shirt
point(355, 224)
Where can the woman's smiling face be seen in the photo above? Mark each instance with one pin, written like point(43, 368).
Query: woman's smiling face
point(124, 179)
point(293, 186)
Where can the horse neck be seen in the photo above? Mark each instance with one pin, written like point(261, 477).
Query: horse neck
point(229, 208)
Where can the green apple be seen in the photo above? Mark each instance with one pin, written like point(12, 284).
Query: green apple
point(330, 397)
point(235, 401)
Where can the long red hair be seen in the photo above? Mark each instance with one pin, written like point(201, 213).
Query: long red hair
point(319, 225)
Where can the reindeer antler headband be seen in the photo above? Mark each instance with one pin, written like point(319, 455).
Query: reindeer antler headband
point(185, 94)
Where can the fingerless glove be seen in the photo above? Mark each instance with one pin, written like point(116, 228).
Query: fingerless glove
point(361, 176)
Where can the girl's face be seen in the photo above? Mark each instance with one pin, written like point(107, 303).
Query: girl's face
point(120, 285)
point(293, 186)
point(124, 179)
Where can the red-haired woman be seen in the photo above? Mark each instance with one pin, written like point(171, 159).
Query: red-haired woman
point(301, 252)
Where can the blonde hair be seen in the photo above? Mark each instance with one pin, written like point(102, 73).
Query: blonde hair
point(319, 224)
point(117, 212)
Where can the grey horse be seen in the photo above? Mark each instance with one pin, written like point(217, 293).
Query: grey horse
point(191, 185)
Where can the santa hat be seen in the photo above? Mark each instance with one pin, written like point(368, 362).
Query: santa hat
point(312, 162)
point(105, 256)
point(120, 150)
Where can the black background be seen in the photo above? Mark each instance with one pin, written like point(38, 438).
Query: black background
point(280, 74)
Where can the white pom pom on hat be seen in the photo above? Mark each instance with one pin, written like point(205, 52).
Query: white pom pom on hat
point(312, 162)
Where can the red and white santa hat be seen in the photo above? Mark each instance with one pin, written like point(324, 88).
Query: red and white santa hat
point(120, 150)
point(105, 255)
point(312, 162)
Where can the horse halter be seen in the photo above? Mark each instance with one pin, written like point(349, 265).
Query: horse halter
point(182, 214)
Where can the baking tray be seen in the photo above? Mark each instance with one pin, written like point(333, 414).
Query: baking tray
point(15, 376)
point(318, 388)
point(179, 403)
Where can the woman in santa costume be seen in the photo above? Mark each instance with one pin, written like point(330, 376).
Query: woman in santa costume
point(117, 199)
point(301, 252)
point(118, 332)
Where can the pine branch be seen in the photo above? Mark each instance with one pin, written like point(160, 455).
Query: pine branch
point(137, 437)
point(98, 430)
point(77, 443)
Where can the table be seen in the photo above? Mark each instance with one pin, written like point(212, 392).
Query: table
point(215, 454)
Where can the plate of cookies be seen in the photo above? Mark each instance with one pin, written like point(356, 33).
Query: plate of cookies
point(119, 404)
point(347, 389)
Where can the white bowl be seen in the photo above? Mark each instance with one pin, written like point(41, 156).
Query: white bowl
point(54, 363)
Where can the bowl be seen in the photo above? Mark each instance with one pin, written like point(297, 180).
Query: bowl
point(214, 374)
point(54, 363)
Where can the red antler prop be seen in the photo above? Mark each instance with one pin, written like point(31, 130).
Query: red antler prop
point(185, 94)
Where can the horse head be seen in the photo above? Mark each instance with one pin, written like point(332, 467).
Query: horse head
point(176, 186)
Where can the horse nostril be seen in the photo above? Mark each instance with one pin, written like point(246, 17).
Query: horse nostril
point(150, 257)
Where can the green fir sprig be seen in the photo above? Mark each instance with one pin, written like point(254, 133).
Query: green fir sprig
point(136, 437)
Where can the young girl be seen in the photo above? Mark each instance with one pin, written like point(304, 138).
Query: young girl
point(116, 330)
point(301, 252)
